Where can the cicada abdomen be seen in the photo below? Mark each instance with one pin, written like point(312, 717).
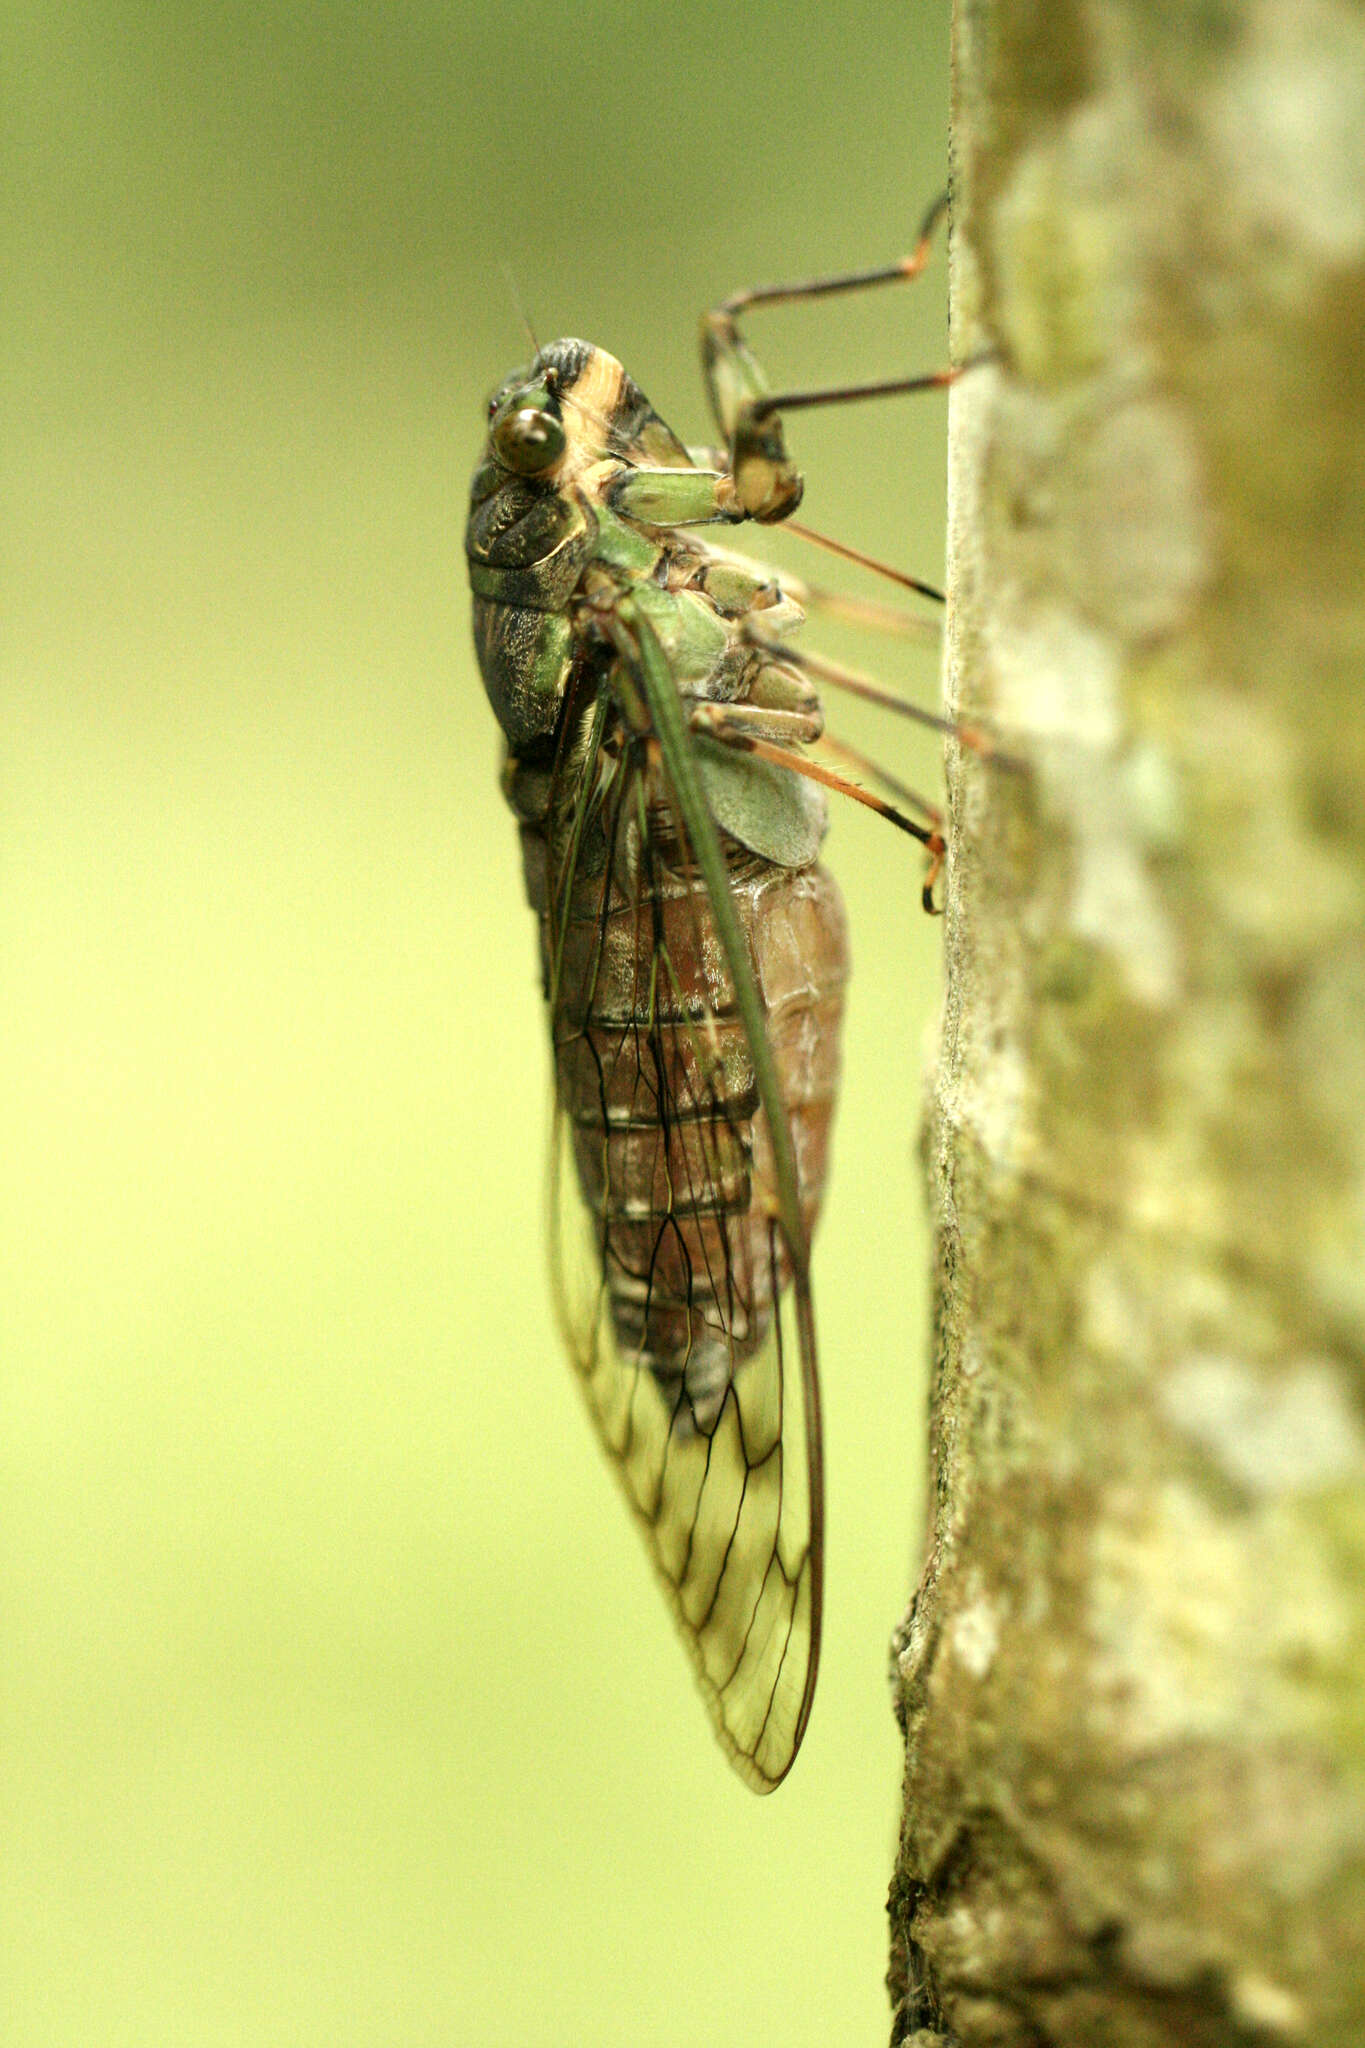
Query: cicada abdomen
point(671, 1145)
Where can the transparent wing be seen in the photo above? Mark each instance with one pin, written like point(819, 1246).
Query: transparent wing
point(719, 1478)
point(685, 1314)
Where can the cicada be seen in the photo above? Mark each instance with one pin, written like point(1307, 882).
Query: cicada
point(694, 955)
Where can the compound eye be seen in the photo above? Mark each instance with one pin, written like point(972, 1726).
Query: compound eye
point(528, 440)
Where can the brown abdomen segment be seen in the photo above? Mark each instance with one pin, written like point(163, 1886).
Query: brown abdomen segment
point(673, 1151)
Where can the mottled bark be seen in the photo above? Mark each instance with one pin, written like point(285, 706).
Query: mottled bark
point(1133, 1674)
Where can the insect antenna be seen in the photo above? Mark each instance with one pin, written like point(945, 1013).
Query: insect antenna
point(519, 303)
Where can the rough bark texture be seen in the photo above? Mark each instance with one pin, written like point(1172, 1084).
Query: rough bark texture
point(1133, 1675)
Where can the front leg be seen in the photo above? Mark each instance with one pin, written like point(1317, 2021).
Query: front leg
point(673, 497)
point(768, 485)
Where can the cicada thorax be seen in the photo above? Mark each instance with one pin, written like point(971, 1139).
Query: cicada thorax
point(672, 1150)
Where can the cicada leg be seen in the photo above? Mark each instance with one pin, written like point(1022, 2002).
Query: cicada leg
point(768, 485)
point(865, 561)
point(862, 611)
point(855, 684)
point(734, 726)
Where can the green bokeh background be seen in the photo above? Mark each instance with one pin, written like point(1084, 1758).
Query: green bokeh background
point(338, 1706)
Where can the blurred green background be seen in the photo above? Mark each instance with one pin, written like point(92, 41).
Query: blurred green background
point(338, 1706)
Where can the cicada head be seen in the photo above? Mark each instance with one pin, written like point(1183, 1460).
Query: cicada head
point(546, 422)
point(571, 409)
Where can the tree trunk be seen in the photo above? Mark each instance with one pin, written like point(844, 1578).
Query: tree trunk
point(1133, 1676)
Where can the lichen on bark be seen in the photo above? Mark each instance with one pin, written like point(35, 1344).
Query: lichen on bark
point(1133, 1674)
